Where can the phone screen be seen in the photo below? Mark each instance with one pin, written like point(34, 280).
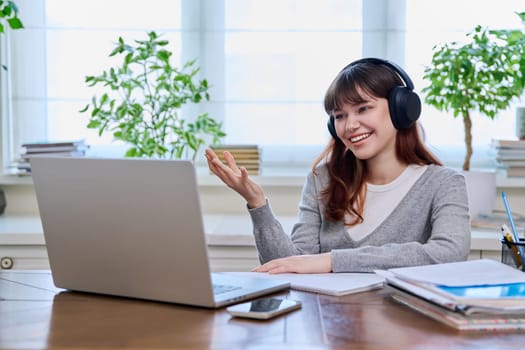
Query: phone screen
point(264, 308)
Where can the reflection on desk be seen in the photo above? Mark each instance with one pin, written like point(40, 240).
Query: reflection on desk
point(35, 314)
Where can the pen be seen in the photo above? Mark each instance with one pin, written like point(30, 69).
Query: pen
point(512, 246)
point(512, 225)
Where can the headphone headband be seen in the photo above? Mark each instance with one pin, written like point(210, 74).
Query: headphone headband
point(396, 68)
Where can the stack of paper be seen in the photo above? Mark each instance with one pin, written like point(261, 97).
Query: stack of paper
point(471, 295)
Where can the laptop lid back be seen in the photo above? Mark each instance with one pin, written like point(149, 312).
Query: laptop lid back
point(126, 227)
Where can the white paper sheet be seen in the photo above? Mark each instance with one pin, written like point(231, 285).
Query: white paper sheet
point(465, 273)
point(325, 283)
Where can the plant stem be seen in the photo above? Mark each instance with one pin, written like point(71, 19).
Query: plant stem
point(467, 123)
point(153, 112)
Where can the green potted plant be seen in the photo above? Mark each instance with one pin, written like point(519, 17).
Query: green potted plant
point(142, 102)
point(483, 75)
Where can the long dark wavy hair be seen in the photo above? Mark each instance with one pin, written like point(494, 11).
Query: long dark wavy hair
point(346, 190)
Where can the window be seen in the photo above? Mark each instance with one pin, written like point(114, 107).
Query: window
point(429, 23)
point(280, 56)
point(269, 63)
point(63, 42)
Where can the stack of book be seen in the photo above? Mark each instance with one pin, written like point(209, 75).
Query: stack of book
point(248, 156)
point(474, 295)
point(75, 148)
point(510, 154)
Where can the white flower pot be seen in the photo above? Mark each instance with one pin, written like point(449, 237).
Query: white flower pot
point(481, 190)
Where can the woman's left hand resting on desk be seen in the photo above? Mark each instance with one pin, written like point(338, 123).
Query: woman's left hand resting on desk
point(318, 263)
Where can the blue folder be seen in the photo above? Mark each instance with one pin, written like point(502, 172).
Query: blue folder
point(498, 291)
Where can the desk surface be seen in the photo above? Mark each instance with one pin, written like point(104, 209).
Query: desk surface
point(35, 315)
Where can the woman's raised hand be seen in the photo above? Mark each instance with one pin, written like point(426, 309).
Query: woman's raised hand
point(236, 178)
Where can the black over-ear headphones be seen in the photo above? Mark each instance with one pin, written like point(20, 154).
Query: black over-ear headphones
point(403, 103)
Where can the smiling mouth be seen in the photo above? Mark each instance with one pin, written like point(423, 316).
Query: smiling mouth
point(359, 138)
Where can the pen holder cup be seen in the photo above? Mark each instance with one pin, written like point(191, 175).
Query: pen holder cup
point(510, 255)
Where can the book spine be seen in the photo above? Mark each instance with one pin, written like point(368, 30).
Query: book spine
point(495, 325)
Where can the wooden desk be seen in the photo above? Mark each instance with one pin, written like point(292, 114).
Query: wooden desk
point(36, 315)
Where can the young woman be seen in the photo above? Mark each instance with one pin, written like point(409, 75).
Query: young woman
point(376, 198)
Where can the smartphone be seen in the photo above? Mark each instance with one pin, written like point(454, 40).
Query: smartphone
point(264, 309)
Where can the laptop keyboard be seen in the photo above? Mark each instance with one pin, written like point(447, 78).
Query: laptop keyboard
point(223, 288)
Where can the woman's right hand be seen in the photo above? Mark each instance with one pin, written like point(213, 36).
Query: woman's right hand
point(236, 178)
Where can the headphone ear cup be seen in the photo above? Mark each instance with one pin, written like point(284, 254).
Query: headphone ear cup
point(404, 106)
point(331, 128)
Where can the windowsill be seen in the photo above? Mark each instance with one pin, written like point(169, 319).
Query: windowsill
point(274, 176)
point(271, 176)
point(12, 179)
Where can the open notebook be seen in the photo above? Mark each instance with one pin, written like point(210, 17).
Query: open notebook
point(324, 283)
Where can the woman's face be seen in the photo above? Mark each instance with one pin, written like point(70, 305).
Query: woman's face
point(366, 128)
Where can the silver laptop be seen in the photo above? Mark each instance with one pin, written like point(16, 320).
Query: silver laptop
point(132, 228)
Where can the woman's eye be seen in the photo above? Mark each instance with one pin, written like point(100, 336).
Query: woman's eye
point(363, 109)
point(338, 116)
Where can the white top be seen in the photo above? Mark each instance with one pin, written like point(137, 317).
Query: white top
point(381, 200)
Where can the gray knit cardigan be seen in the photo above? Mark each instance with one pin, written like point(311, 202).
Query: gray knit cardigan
point(430, 225)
